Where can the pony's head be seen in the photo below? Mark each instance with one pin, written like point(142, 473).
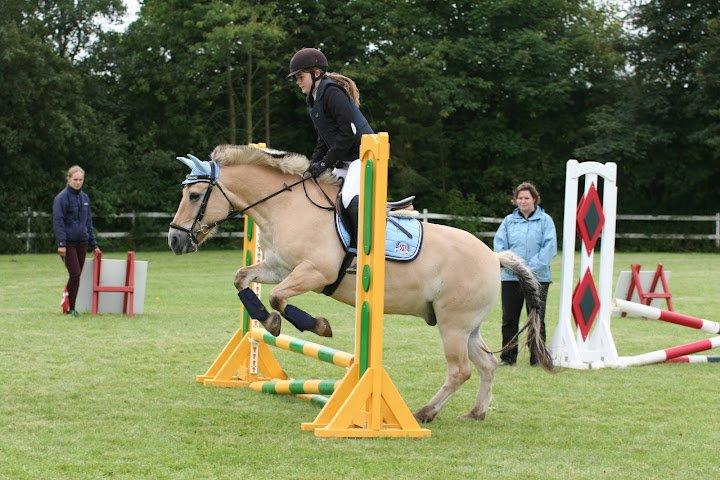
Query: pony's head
point(203, 206)
point(205, 202)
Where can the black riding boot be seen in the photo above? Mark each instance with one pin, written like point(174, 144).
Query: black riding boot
point(351, 215)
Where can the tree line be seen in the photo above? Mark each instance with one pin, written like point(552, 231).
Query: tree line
point(477, 96)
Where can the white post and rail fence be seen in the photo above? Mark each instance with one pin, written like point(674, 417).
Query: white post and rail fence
point(425, 216)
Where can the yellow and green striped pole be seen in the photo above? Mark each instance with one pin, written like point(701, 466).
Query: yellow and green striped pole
point(304, 347)
point(295, 387)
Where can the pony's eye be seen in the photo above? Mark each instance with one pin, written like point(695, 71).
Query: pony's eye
point(194, 197)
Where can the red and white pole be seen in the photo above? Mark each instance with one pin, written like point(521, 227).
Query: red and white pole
point(655, 313)
point(673, 352)
point(696, 359)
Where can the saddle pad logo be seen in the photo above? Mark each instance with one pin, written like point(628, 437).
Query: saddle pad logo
point(402, 247)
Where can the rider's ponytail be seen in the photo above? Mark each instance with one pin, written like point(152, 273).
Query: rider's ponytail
point(347, 84)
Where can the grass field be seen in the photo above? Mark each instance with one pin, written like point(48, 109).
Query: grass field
point(110, 397)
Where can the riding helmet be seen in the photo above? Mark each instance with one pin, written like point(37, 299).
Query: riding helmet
point(307, 58)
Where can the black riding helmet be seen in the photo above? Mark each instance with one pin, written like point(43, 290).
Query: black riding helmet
point(306, 59)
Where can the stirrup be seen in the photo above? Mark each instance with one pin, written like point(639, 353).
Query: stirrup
point(401, 204)
point(352, 269)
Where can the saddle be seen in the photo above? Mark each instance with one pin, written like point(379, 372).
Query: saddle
point(404, 204)
point(403, 237)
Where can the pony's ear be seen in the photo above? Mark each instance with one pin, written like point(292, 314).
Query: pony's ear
point(186, 161)
point(201, 167)
point(197, 166)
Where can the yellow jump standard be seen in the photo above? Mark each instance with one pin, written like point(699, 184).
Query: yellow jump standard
point(366, 403)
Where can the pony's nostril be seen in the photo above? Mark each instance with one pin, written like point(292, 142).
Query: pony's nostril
point(173, 241)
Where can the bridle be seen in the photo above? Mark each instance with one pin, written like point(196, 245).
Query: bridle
point(213, 180)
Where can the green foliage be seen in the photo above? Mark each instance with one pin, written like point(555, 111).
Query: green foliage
point(477, 96)
point(663, 129)
point(54, 120)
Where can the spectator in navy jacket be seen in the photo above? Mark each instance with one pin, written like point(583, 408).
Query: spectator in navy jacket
point(530, 233)
point(72, 223)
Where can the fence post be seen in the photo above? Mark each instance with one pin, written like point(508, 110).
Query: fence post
point(425, 215)
point(27, 231)
point(717, 229)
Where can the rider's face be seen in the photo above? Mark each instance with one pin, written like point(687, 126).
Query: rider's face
point(304, 81)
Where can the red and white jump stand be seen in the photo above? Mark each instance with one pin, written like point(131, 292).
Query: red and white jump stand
point(583, 339)
point(647, 297)
point(128, 289)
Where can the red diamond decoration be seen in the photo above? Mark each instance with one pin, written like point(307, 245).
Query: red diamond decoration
point(590, 218)
point(585, 304)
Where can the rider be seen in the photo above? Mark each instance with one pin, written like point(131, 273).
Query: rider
point(333, 104)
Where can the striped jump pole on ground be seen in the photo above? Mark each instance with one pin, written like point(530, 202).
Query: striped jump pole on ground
point(695, 359)
point(655, 313)
point(319, 400)
point(309, 349)
point(673, 352)
point(294, 387)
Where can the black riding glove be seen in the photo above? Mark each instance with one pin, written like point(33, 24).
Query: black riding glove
point(316, 169)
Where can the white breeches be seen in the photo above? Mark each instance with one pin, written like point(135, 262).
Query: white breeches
point(351, 185)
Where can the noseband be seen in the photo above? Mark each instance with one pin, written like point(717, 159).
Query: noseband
point(204, 228)
point(212, 180)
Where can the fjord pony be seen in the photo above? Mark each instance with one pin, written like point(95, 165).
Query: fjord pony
point(453, 283)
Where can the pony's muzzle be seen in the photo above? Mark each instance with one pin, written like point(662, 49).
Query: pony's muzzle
point(180, 242)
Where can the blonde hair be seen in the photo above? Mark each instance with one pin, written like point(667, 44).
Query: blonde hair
point(530, 187)
point(75, 169)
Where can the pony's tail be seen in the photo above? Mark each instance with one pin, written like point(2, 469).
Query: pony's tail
point(530, 288)
point(347, 84)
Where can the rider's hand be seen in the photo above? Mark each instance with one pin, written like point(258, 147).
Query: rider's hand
point(316, 169)
point(62, 251)
point(97, 250)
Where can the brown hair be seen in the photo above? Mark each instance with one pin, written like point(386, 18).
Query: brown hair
point(530, 187)
point(347, 84)
point(74, 169)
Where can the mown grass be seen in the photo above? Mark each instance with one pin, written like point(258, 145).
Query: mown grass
point(110, 397)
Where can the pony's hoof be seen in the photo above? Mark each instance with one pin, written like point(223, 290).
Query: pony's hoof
point(425, 415)
point(322, 327)
point(272, 324)
point(473, 415)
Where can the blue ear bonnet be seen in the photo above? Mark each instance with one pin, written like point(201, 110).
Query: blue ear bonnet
point(200, 170)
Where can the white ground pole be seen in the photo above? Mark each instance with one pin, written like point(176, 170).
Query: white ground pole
point(568, 348)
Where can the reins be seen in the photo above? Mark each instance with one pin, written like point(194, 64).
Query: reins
point(332, 205)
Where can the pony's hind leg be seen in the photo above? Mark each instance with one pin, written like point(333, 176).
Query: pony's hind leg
point(455, 346)
point(486, 364)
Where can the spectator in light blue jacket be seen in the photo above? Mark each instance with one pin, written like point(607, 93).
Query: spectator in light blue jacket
point(528, 232)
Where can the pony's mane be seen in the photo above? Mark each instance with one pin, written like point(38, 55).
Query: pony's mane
point(286, 162)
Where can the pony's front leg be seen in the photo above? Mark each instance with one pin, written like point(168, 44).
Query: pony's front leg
point(304, 278)
point(261, 273)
